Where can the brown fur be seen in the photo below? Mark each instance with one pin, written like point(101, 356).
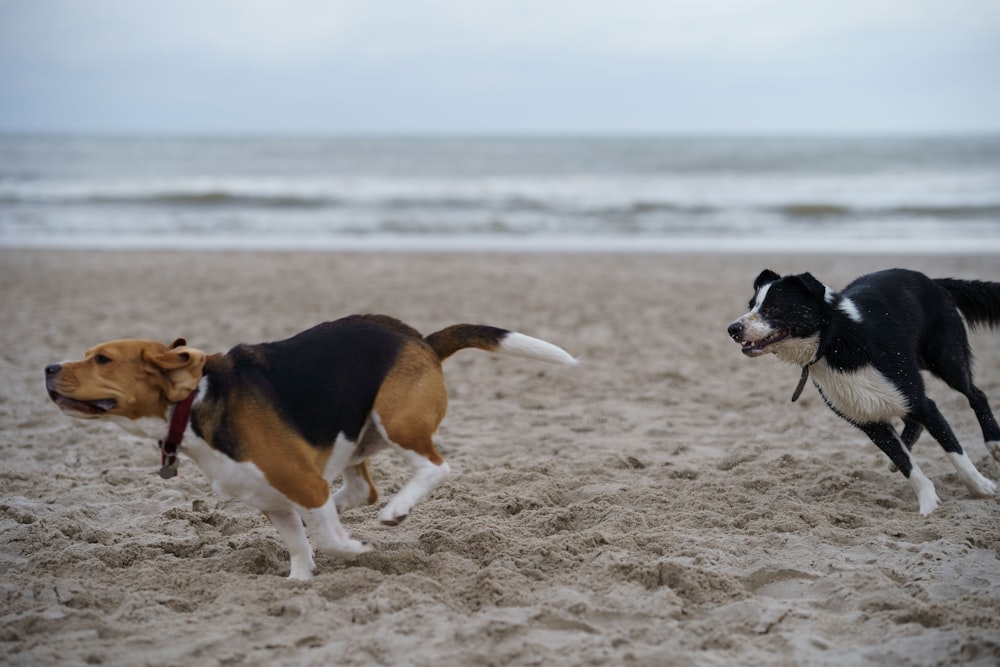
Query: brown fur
point(457, 337)
point(287, 461)
point(413, 400)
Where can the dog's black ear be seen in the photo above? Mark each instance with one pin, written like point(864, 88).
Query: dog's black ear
point(812, 286)
point(180, 342)
point(766, 276)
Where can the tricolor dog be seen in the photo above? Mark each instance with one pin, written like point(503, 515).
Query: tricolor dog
point(865, 347)
point(273, 424)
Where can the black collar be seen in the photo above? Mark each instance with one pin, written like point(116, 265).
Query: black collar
point(802, 379)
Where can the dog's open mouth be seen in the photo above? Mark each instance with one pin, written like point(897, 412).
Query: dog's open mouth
point(752, 348)
point(67, 404)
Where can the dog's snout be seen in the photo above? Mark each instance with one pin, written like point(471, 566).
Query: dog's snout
point(52, 376)
point(735, 329)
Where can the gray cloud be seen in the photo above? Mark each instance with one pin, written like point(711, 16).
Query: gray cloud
point(305, 66)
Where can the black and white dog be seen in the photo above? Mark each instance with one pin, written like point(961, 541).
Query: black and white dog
point(865, 347)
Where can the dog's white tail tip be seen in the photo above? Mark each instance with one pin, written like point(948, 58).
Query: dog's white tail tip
point(520, 345)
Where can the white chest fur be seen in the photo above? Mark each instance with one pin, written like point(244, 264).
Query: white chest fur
point(863, 395)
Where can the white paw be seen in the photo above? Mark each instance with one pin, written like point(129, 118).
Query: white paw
point(302, 564)
point(344, 500)
point(348, 549)
point(981, 487)
point(928, 499)
point(393, 515)
point(301, 571)
point(978, 486)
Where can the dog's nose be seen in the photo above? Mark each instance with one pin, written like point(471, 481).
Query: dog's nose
point(735, 329)
point(52, 369)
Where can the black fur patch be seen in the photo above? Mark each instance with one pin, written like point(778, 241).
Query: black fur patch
point(322, 381)
point(793, 303)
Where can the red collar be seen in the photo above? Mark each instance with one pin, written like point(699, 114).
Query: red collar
point(168, 447)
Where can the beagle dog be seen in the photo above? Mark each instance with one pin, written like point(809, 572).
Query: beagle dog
point(273, 424)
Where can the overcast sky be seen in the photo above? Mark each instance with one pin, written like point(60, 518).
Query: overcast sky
point(504, 66)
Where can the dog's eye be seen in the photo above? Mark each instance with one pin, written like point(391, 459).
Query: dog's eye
point(101, 359)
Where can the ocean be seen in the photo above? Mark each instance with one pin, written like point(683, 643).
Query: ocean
point(926, 194)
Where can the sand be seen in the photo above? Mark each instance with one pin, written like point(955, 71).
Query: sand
point(663, 503)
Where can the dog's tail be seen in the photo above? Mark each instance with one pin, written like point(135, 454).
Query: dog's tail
point(457, 337)
point(978, 300)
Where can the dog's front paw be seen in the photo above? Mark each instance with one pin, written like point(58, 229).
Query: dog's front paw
point(302, 566)
point(300, 574)
point(928, 499)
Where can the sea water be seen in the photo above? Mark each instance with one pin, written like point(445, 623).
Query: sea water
point(925, 194)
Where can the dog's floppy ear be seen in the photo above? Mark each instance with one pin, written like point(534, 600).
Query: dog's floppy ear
point(766, 276)
point(812, 286)
point(180, 366)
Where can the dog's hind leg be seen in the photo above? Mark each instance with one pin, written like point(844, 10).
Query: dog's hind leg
point(885, 437)
point(929, 415)
point(911, 432)
point(408, 409)
point(357, 489)
point(987, 422)
point(428, 474)
point(412, 436)
point(413, 439)
point(950, 359)
point(289, 527)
